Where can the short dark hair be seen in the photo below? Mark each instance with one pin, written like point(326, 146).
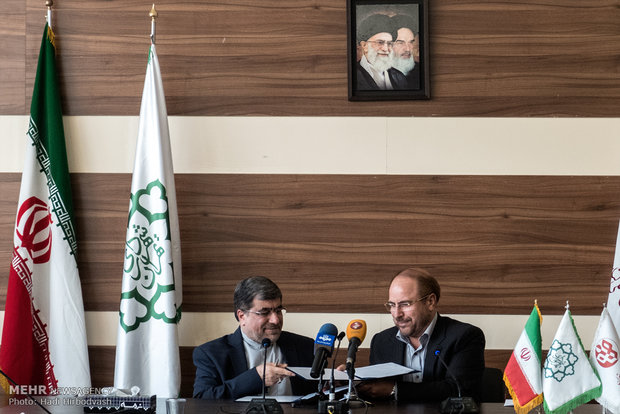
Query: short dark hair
point(427, 284)
point(254, 287)
point(373, 24)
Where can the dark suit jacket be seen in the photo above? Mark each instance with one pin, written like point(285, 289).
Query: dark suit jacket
point(461, 346)
point(222, 371)
point(366, 82)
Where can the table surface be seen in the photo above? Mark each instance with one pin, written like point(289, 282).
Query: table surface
point(14, 406)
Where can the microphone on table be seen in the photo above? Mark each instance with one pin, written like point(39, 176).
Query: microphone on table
point(356, 332)
point(460, 404)
point(264, 405)
point(323, 348)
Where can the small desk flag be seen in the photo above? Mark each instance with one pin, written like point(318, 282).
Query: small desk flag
point(523, 372)
point(569, 380)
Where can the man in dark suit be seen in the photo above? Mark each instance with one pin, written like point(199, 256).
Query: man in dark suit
point(420, 333)
point(232, 366)
point(407, 49)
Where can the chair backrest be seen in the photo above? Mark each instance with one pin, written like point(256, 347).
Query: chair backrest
point(493, 387)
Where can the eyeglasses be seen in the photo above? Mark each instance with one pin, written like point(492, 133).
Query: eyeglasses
point(265, 312)
point(401, 43)
point(381, 43)
point(404, 305)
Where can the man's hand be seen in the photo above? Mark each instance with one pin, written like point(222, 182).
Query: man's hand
point(274, 373)
point(376, 390)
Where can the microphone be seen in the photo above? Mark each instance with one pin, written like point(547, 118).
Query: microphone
point(463, 405)
point(332, 388)
point(266, 343)
point(323, 348)
point(264, 405)
point(356, 332)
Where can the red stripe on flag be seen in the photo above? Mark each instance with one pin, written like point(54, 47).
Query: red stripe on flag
point(518, 382)
point(21, 356)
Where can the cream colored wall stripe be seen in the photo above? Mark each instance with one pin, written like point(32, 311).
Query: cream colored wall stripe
point(361, 145)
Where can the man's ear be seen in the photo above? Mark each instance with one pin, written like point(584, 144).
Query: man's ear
point(240, 315)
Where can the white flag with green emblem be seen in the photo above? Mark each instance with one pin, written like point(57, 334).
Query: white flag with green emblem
point(569, 380)
point(147, 351)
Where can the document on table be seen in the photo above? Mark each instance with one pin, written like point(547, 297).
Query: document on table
point(388, 369)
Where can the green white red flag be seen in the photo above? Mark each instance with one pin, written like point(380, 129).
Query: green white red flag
point(44, 336)
point(569, 379)
point(523, 373)
point(604, 355)
point(147, 351)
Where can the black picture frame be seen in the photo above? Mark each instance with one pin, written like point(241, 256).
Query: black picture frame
point(366, 16)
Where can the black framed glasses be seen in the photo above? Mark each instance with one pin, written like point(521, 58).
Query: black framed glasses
point(265, 312)
point(404, 305)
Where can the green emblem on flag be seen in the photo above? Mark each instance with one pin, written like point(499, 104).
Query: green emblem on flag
point(148, 271)
point(560, 361)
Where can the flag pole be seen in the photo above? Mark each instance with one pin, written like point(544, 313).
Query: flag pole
point(153, 14)
point(49, 4)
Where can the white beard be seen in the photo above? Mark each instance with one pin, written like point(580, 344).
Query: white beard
point(403, 65)
point(379, 62)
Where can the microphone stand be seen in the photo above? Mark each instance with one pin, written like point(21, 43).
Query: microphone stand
point(264, 405)
point(332, 406)
point(453, 405)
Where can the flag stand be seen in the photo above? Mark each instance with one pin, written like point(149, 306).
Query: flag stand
point(153, 15)
point(49, 4)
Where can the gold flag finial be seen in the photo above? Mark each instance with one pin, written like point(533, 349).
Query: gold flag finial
point(153, 14)
point(49, 4)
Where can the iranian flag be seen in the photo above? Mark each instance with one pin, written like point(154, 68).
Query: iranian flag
point(523, 374)
point(147, 350)
point(44, 336)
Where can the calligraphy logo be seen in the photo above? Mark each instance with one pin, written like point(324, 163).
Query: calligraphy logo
point(526, 355)
point(560, 361)
point(33, 229)
point(606, 352)
point(615, 280)
point(148, 282)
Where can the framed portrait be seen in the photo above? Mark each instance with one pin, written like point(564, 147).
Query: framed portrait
point(388, 56)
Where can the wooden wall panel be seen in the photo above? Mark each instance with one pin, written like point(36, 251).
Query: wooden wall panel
point(503, 58)
point(496, 243)
point(13, 57)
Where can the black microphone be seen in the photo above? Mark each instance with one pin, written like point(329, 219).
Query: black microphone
point(332, 388)
point(266, 343)
point(27, 394)
point(323, 348)
point(460, 404)
point(264, 405)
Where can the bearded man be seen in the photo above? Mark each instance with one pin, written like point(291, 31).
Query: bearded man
point(375, 36)
point(406, 50)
